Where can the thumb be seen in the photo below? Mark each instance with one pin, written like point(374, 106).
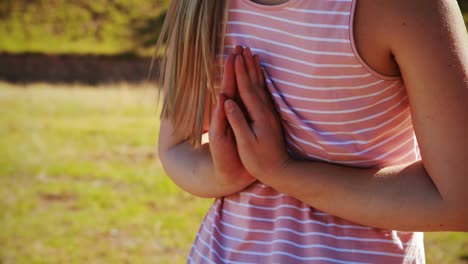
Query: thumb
point(238, 122)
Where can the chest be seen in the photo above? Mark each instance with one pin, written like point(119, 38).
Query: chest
point(333, 104)
point(358, 26)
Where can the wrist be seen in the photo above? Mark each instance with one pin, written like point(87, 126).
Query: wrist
point(234, 182)
point(276, 174)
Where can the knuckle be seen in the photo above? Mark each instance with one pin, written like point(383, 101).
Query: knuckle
point(237, 117)
point(216, 137)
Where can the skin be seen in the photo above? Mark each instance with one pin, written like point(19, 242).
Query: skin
point(427, 195)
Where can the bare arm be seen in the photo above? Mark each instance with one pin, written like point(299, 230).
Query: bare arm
point(192, 169)
point(214, 170)
point(429, 41)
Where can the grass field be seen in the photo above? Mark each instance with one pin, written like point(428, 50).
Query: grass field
point(80, 181)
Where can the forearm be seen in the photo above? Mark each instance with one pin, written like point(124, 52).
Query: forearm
point(399, 198)
point(192, 170)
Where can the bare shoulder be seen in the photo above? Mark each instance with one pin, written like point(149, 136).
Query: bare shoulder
point(418, 21)
point(384, 27)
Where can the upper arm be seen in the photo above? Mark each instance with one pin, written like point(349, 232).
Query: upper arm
point(429, 41)
point(168, 138)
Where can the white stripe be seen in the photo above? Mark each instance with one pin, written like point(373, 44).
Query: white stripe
point(364, 161)
point(316, 25)
point(379, 158)
point(333, 40)
point(383, 156)
point(309, 51)
point(309, 221)
point(264, 196)
point(325, 88)
point(350, 121)
point(308, 99)
point(262, 185)
point(403, 157)
point(374, 146)
point(200, 254)
point(274, 242)
point(331, 77)
point(215, 252)
point(355, 132)
point(269, 254)
point(394, 149)
point(308, 63)
point(365, 141)
point(190, 259)
point(308, 154)
point(349, 153)
point(306, 142)
point(298, 109)
point(277, 197)
point(416, 149)
point(300, 233)
point(270, 208)
point(320, 12)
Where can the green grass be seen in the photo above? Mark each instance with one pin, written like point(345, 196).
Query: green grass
point(80, 181)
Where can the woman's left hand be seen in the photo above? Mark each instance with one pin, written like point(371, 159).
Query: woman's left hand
point(259, 136)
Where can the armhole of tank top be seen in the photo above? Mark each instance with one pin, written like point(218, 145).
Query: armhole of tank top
point(356, 53)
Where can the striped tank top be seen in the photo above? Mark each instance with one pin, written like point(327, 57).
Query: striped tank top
point(334, 108)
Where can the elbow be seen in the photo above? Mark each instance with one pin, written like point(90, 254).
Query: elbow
point(460, 214)
point(185, 179)
point(455, 215)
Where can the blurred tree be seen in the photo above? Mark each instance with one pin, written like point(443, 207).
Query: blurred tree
point(87, 26)
point(81, 26)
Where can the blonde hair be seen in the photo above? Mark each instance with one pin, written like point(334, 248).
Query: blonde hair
point(193, 31)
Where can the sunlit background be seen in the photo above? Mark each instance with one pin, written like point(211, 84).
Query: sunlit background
point(80, 180)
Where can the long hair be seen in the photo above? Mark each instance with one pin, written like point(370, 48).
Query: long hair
point(193, 32)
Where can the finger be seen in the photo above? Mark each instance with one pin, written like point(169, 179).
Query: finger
point(229, 78)
point(259, 70)
point(246, 90)
point(238, 122)
point(250, 65)
point(238, 50)
point(263, 93)
point(221, 115)
point(218, 124)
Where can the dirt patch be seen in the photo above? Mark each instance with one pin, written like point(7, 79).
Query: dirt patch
point(125, 154)
point(74, 68)
point(58, 197)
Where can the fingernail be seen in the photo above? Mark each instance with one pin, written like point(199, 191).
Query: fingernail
point(230, 106)
point(221, 97)
point(247, 52)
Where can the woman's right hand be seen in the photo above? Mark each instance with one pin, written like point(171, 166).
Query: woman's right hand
point(227, 164)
